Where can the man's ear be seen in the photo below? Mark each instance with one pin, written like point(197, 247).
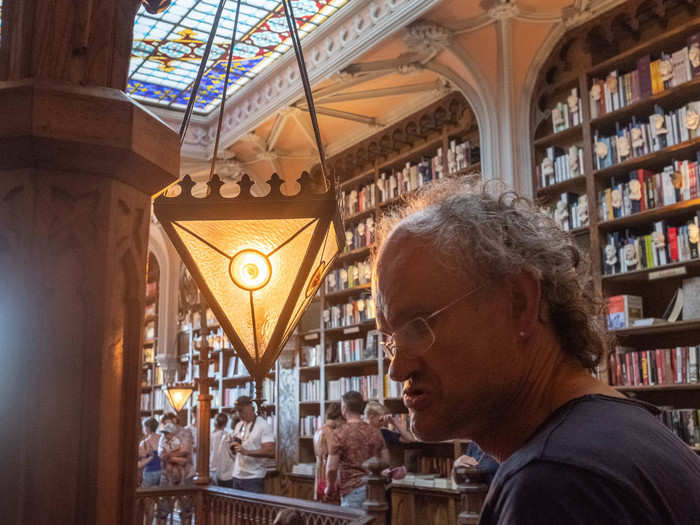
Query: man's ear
point(525, 302)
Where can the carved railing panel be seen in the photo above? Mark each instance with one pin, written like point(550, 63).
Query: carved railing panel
point(217, 506)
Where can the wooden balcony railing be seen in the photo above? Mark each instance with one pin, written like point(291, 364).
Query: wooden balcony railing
point(218, 506)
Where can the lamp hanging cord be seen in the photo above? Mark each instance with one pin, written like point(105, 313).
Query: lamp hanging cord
point(200, 73)
point(223, 96)
point(291, 22)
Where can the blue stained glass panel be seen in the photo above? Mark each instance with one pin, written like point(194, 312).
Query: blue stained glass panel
point(168, 47)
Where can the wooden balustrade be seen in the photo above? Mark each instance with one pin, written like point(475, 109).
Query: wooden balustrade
point(219, 506)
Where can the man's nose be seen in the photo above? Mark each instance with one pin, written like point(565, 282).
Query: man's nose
point(402, 367)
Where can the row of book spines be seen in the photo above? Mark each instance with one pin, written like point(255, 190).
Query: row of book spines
point(684, 422)
point(360, 235)
point(392, 388)
point(310, 390)
point(666, 366)
point(434, 465)
point(678, 246)
point(655, 190)
point(611, 150)
point(644, 81)
point(309, 424)
point(565, 115)
point(156, 401)
point(368, 386)
point(557, 165)
point(353, 312)
point(349, 276)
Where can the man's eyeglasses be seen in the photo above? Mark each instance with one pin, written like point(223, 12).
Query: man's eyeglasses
point(416, 337)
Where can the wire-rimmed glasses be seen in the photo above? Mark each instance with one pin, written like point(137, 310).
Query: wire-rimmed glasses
point(416, 336)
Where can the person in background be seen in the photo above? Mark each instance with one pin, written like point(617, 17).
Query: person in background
point(169, 449)
point(353, 444)
point(194, 432)
point(253, 442)
point(220, 460)
point(323, 440)
point(379, 416)
point(148, 455)
point(493, 324)
point(185, 452)
point(475, 457)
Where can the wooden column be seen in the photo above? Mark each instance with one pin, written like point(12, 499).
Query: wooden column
point(473, 488)
point(79, 162)
point(204, 407)
point(376, 504)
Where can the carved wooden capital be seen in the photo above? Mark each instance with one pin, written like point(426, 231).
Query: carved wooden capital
point(98, 131)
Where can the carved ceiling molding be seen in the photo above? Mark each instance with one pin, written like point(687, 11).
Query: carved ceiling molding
point(355, 29)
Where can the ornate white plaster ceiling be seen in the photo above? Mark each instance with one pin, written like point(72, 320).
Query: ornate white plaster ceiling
point(367, 68)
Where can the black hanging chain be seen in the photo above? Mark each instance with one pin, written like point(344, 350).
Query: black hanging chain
point(200, 73)
point(223, 97)
point(294, 35)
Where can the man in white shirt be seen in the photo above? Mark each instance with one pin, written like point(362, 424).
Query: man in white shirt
point(253, 441)
point(220, 460)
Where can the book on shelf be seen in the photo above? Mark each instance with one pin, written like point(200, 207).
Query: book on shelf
point(567, 114)
point(678, 365)
point(149, 355)
point(684, 422)
point(623, 310)
point(675, 307)
point(351, 313)
point(349, 276)
point(368, 386)
point(650, 77)
point(642, 136)
point(666, 242)
point(570, 211)
point(559, 165)
point(310, 390)
point(641, 189)
point(691, 298)
point(359, 234)
point(310, 355)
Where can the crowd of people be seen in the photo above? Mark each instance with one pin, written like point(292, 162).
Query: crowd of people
point(238, 456)
point(355, 431)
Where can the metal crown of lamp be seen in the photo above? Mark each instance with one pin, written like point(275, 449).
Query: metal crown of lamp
point(258, 261)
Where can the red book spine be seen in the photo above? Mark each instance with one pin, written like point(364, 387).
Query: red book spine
point(660, 366)
point(635, 368)
point(630, 370)
point(672, 233)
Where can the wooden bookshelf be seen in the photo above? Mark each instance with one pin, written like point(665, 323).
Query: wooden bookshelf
point(151, 397)
point(426, 135)
point(580, 57)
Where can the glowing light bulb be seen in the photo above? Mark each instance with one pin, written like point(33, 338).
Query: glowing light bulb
point(250, 269)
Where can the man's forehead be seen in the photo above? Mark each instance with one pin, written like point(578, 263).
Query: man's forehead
point(404, 274)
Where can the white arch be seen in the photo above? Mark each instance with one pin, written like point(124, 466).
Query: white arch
point(168, 262)
point(482, 104)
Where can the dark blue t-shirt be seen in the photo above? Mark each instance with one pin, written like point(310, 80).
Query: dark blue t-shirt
point(598, 460)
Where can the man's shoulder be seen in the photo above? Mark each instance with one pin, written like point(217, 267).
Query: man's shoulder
point(614, 443)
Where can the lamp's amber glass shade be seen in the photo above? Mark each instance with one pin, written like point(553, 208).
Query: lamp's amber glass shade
point(319, 269)
point(178, 396)
point(282, 244)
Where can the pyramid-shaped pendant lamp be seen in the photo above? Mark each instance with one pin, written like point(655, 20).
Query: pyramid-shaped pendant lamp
point(258, 260)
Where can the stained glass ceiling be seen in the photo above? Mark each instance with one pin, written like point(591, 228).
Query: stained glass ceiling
point(168, 47)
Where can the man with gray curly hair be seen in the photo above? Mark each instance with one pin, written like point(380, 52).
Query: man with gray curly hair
point(493, 324)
